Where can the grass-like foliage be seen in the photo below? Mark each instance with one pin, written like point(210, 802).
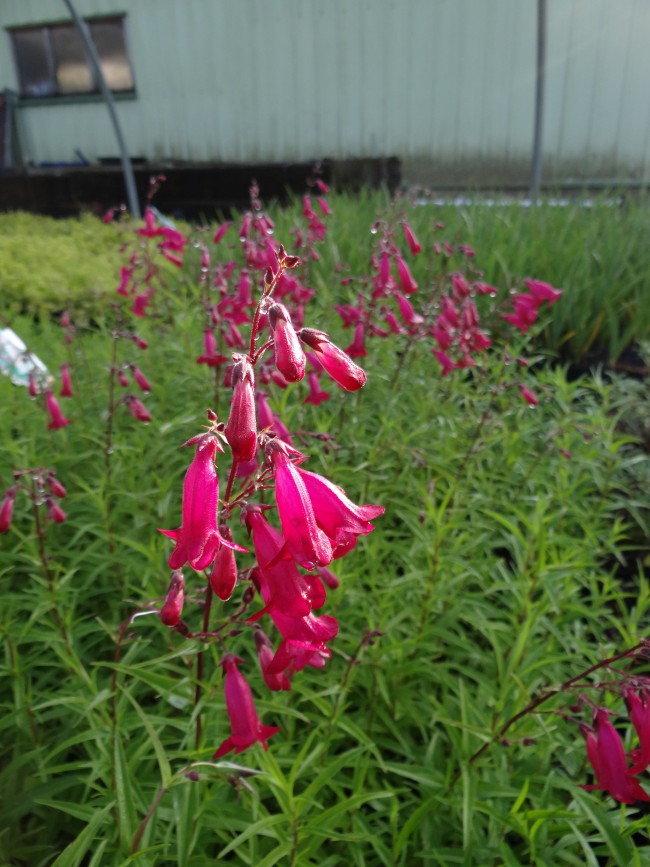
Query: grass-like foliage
point(495, 574)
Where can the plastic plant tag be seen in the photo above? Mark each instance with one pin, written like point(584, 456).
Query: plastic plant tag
point(16, 361)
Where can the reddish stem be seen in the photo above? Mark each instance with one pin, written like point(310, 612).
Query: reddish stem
point(544, 696)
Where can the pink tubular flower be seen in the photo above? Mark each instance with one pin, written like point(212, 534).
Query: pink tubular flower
point(327, 577)
point(528, 396)
point(221, 231)
point(137, 409)
point(123, 379)
point(316, 394)
point(66, 385)
point(268, 419)
point(7, 508)
point(409, 286)
point(289, 355)
point(334, 360)
point(55, 485)
point(198, 539)
point(210, 355)
point(290, 598)
point(172, 608)
point(246, 727)
point(525, 312)
point(406, 310)
point(284, 589)
point(357, 349)
point(448, 364)
point(305, 541)
point(33, 388)
point(149, 230)
point(541, 292)
point(304, 642)
point(125, 279)
point(141, 380)
point(318, 521)
point(639, 710)
point(56, 512)
point(275, 682)
point(141, 302)
point(241, 428)
point(411, 240)
point(56, 416)
point(607, 756)
point(339, 518)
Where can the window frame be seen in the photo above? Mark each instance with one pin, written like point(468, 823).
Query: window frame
point(46, 28)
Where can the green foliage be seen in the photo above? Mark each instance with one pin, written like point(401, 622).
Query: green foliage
point(492, 575)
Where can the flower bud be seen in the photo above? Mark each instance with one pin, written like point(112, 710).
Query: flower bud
point(224, 571)
point(66, 384)
point(141, 379)
point(405, 277)
point(413, 243)
point(289, 356)
point(335, 362)
point(55, 485)
point(172, 608)
point(56, 512)
point(137, 409)
point(241, 428)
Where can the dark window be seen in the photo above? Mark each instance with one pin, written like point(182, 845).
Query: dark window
point(51, 60)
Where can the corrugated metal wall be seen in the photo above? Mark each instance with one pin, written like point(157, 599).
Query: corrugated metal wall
point(446, 85)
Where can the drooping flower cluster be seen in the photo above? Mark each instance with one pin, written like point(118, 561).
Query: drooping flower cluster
point(315, 521)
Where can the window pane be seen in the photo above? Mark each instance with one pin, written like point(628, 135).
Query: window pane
point(32, 62)
point(73, 72)
point(108, 37)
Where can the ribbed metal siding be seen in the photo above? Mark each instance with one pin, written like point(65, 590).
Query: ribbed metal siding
point(447, 85)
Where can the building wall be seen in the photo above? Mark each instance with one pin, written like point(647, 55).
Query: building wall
point(446, 85)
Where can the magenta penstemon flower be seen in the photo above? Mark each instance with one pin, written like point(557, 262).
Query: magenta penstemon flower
point(275, 682)
point(246, 727)
point(413, 243)
point(55, 511)
point(318, 521)
point(210, 355)
point(141, 380)
point(198, 539)
point(7, 508)
point(66, 384)
point(638, 705)
point(607, 756)
point(55, 485)
point(137, 409)
point(316, 394)
point(334, 360)
point(289, 355)
point(409, 286)
point(528, 396)
point(306, 542)
point(241, 428)
point(57, 419)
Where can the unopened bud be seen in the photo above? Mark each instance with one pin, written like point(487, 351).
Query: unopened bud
point(172, 608)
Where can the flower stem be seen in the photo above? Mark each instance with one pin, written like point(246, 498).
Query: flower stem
point(544, 697)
